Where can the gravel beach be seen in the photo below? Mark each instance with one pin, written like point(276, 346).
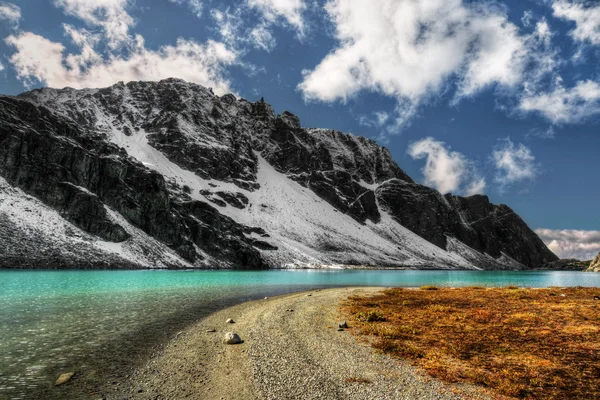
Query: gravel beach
point(291, 349)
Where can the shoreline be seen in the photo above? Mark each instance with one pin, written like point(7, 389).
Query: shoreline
point(285, 355)
point(324, 268)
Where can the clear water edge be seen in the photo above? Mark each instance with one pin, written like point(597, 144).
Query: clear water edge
point(96, 321)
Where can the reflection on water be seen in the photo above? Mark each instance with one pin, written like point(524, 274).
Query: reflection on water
point(99, 321)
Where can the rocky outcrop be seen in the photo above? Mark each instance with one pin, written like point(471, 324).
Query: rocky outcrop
point(487, 228)
point(594, 265)
point(172, 161)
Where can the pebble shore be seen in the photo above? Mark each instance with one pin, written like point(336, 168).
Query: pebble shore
point(292, 349)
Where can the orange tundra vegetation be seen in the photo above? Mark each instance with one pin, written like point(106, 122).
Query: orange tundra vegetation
point(524, 343)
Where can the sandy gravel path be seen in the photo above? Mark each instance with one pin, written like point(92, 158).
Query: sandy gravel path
point(296, 354)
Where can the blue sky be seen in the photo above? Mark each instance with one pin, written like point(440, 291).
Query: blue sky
point(500, 98)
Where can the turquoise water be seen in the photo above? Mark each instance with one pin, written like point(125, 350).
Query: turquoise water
point(99, 322)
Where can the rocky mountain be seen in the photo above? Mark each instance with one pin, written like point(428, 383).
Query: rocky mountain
point(594, 265)
point(168, 175)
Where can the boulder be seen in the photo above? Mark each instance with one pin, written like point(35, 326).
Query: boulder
point(232, 338)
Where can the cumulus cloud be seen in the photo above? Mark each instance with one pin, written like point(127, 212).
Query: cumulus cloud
point(291, 11)
point(410, 50)
point(586, 18)
point(194, 5)
point(10, 12)
point(109, 15)
point(446, 170)
point(514, 163)
point(108, 52)
point(565, 105)
point(582, 245)
point(39, 59)
point(1, 67)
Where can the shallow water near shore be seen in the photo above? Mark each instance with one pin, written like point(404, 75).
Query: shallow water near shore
point(100, 323)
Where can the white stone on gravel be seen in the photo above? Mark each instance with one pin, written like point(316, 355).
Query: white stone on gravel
point(232, 338)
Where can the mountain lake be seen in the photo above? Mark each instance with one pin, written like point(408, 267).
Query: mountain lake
point(103, 322)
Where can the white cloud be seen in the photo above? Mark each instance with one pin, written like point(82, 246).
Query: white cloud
point(109, 52)
point(194, 5)
point(39, 59)
point(229, 25)
point(499, 55)
point(235, 31)
point(446, 170)
point(109, 15)
point(527, 18)
point(555, 102)
point(548, 133)
point(262, 38)
point(514, 163)
point(1, 67)
point(289, 10)
point(582, 245)
point(586, 18)
point(542, 58)
point(565, 105)
point(477, 186)
point(410, 50)
point(377, 119)
point(10, 12)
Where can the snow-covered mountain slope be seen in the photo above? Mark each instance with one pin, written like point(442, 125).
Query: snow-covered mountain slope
point(35, 235)
point(166, 174)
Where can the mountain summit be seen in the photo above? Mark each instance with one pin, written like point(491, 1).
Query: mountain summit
point(168, 175)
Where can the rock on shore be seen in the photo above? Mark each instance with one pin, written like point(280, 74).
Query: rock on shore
point(594, 265)
point(232, 338)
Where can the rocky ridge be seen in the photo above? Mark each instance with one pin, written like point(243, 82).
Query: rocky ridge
point(167, 174)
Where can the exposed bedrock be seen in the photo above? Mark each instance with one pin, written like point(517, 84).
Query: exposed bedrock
point(485, 227)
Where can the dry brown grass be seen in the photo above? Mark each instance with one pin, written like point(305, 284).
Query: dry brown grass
point(524, 343)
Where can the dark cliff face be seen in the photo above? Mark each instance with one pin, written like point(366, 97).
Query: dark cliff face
point(41, 154)
point(474, 221)
point(88, 154)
